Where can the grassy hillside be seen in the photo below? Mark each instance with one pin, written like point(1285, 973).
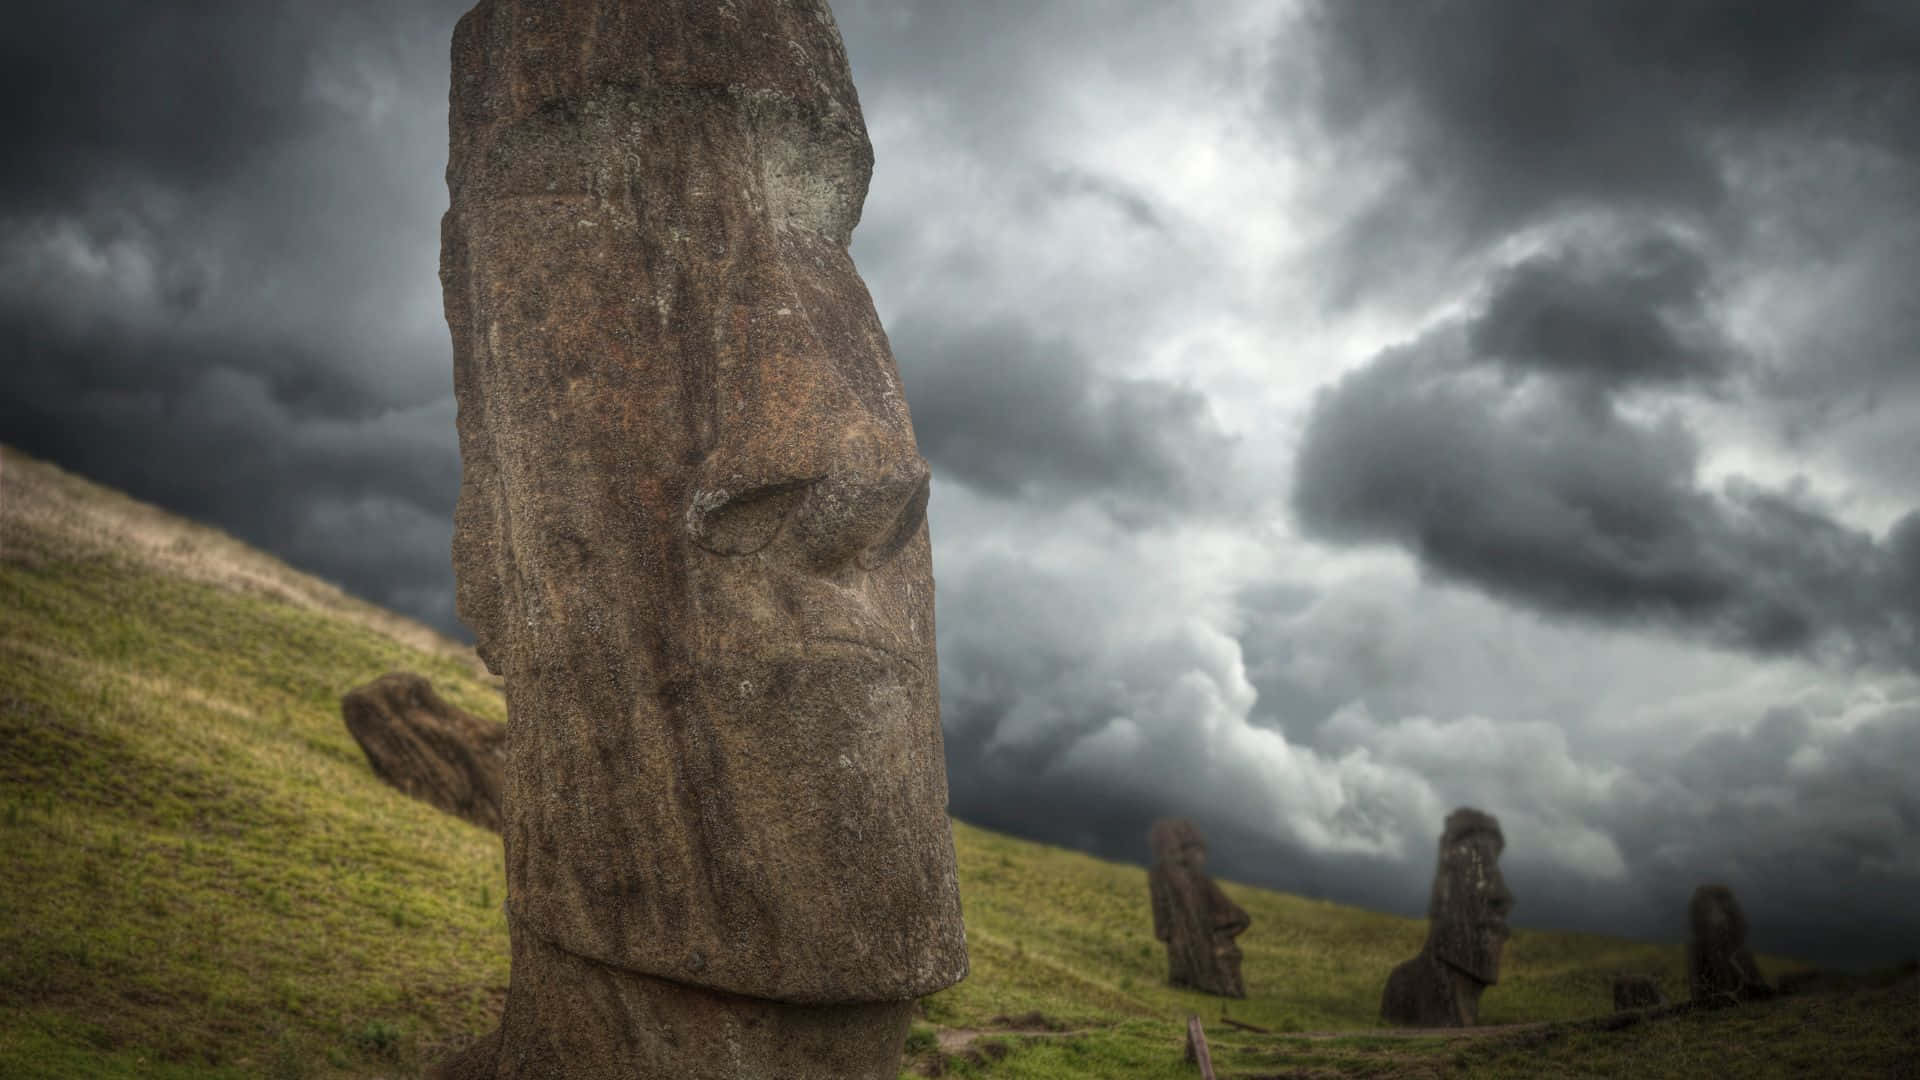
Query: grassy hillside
point(200, 877)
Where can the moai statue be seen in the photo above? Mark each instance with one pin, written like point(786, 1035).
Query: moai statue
point(1191, 914)
point(439, 754)
point(691, 536)
point(1720, 968)
point(1467, 927)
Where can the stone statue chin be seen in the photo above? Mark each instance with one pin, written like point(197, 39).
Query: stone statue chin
point(1467, 929)
point(691, 536)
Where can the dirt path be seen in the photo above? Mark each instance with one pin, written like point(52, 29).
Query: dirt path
point(958, 1040)
point(1476, 1032)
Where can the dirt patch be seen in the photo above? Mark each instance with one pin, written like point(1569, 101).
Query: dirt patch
point(982, 1045)
point(1479, 1032)
point(956, 1041)
point(1028, 1021)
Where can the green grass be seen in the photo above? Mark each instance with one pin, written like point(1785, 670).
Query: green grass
point(200, 877)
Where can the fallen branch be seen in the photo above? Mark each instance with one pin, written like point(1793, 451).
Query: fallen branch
point(1197, 1048)
point(1243, 1025)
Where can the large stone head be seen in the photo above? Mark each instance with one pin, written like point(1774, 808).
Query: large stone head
point(691, 530)
point(1716, 918)
point(1469, 905)
point(1176, 842)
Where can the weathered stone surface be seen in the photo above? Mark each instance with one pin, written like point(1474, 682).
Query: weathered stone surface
point(427, 748)
point(1467, 928)
point(691, 532)
point(588, 1019)
point(1637, 992)
point(1720, 968)
point(1190, 913)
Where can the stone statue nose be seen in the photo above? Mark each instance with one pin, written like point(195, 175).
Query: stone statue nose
point(814, 461)
point(1499, 899)
point(862, 515)
point(857, 505)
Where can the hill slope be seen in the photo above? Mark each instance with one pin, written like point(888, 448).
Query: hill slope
point(200, 876)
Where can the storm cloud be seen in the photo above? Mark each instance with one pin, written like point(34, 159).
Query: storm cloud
point(1633, 314)
point(212, 223)
point(1514, 112)
point(1543, 494)
point(1021, 417)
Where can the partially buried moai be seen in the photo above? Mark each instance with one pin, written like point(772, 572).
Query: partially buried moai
point(1467, 928)
point(1190, 913)
point(1720, 968)
point(691, 535)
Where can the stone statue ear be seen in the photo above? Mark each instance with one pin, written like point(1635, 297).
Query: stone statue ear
point(480, 549)
point(479, 556)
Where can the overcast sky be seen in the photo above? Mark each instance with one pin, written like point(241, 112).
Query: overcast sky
point(1340, 411)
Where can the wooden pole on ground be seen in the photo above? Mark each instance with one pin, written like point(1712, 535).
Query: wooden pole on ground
point(1197, 1048)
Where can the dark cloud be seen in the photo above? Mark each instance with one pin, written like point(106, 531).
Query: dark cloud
point(1799, 810)
point(1135, 208)
point(1633, 313)
point(1012, 414)
point(985, 71)
point(1072, 718)
point(109, 94)
point(1508, 111)
point(1807, 812)
point(105, 93)
point(1539, 497)
point(1784, 134)
point(1289, 704)
point(366, 503)
point(218, 229)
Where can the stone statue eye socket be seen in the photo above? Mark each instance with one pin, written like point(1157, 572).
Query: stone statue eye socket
point(912, 514)
point(746, 523)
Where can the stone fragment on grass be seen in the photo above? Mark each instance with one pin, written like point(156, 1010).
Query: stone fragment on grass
point(441, 755)
point(1467, 928)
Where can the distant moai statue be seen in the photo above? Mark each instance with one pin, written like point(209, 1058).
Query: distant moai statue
point(1720, 968)
point(439, 754)
point(691, 535)
point(1190, 913)
point(1637, 992)
point(1467, 928)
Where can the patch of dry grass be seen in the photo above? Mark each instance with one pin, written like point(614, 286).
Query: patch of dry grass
point(48, 512)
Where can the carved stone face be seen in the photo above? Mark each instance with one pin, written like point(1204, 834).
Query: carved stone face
point(1470, 898)
point(691, 531)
